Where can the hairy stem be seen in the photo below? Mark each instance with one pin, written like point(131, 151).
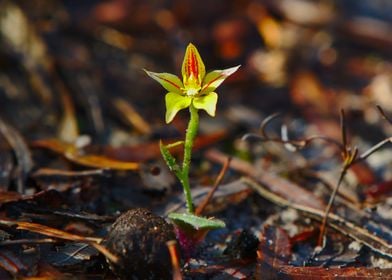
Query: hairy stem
point(189, 139)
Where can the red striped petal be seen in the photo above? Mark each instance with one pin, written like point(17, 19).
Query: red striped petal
point(192, 66)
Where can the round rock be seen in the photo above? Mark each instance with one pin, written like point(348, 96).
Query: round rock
point(139, 238)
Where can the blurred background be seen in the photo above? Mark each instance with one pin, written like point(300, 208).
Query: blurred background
point(83, 59)
point(74, 68)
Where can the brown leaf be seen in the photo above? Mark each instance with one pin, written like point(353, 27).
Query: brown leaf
point(363, 173)
point(71, 152)
point(378, 191)
point(304, 235)
point(102, 162)
point(49, 231)
point(55, 145)
point(57, 233)
point(317, 273)
point(147, 151)
point(274, 248)
point(9, 197)
point(274, 252)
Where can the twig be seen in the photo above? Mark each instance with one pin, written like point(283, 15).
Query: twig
point(28, 241)
point(350, 157)
point(348, 228)
point(48, 172)
point(349, 154)
point(203, 204)
point(175, 259)
point(373, 149)
point(329, 206)
point(266, 121)
point(73, 254)
point(383, 114)
point(343, 129)
point(295, 143)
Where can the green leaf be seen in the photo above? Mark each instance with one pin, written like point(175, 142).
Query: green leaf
point(169, 81)
point(175, 144)
point(214, 78)
point(169, 159)
point(196, 222)
point(206, 102)
point(174, 103)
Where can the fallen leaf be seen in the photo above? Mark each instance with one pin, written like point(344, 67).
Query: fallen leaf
point(71, 152)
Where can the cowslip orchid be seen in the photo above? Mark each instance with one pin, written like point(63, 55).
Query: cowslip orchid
point(195, 91)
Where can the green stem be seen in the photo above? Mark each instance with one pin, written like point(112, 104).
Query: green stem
point(189, 139)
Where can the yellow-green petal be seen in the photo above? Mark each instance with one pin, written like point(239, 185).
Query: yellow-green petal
point(174, 103)
point(214, 78)
point(169, 81)
point(192, 66)
point(206, 102)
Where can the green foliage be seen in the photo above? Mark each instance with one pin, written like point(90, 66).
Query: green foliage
point(169, 159)
point(196, 222)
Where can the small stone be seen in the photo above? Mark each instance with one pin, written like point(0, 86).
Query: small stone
point(139, 238)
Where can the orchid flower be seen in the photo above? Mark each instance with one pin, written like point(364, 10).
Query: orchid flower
point(196, 91)
point(196, 88)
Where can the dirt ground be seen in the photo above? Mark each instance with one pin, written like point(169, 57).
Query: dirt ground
point(301, 140)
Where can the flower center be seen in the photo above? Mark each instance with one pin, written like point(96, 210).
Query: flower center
point(191, 85)
point(192, 91)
